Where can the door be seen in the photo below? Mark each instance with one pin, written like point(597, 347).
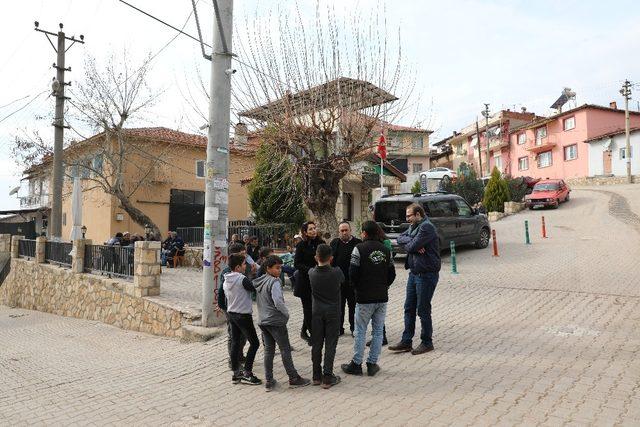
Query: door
point(606, 162)
point(466, 222)
point(444, 219)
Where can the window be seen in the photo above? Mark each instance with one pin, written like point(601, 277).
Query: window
point(569, 123)
point(474, 140)
point(497, 162)
point(347, 206)
point(522, 138)
point(541, 133)
point(441, 208)
point(417, 143)
point(523, 163)
point(545, 159)
point(623, 153)
point(463, 208)
point(417, 167)
point(96, 164)
point(200, 168)
point(570, 152)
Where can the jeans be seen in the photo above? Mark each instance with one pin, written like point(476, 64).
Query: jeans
point(365, 313)
point(242, 326)
point(420, 289)
point(272, 335)
point(325, 333)
point(348, 297)
point(243, 340)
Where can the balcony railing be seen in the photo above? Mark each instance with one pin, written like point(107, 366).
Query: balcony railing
point(58, 253)
point(34, 201)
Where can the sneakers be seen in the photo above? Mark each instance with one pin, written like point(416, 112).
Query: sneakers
point(329, 381)
point(352, 368)
point(317, 381)
point(372, 369)
point(236, 377)
point(249, 378)
point(384, 341)
point(400, 347)
point(298, 382)
point(270, 385)
point(422, 349)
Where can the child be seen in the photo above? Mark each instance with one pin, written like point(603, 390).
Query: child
point(272, 319)
point(264, 253)
point(237, 290)
point(325, 318)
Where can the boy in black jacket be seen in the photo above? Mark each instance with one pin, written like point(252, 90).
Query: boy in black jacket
point(371, 272)
point(325, 290)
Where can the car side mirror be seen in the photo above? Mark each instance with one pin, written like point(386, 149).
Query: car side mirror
point(475, 211)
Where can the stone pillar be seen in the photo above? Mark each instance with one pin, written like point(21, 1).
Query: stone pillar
point(41, 242)
point(14, 245)
point(5, 243)
point(146, 264)
point(77, 264)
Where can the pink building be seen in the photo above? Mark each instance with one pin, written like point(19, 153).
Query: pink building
point(554, 147)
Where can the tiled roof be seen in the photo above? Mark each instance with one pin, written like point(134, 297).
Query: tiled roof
point(614, 133)
point(549, 119)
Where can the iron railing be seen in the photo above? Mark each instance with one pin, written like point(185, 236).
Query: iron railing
point(116, 261)
point(27, 248)
point(276, 236)
point(6, 269)
point(58, 253)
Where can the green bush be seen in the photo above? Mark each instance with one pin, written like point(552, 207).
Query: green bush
point(468, 186)
point(496, 193)
point(517, 188)
point(417, 188)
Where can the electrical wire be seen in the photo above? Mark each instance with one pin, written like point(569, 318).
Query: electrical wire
point(23, 107)
point(14, 101)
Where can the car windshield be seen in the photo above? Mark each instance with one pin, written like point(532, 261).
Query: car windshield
point(385, 212)
point(546, 186)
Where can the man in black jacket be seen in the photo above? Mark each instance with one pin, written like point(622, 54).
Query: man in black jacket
point(342, 247)
point(422, 245)
point(372, 272)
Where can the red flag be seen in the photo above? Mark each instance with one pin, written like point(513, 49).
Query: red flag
point(382, 147)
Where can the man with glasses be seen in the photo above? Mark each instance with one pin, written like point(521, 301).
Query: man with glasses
point(422, 245)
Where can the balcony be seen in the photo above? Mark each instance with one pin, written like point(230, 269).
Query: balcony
point(498, 143)
point(542, 145)
point(35, 201)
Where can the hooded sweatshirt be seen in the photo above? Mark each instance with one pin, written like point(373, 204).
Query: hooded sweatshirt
point(237, 291)
point(271, 308)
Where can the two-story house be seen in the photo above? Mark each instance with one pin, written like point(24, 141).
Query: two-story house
point(558, 146)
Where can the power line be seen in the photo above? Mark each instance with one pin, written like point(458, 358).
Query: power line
point(14, 101)
point(23, 107)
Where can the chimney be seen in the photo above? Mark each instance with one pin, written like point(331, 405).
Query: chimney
point(524, 110)
point(614, 105)
point(240, 134)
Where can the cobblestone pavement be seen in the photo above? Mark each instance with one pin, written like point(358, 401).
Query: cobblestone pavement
point(545, 334)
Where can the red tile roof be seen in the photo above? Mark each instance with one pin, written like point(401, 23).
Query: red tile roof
point(614, 133)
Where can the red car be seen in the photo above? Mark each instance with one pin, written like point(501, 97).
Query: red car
point(548, 192)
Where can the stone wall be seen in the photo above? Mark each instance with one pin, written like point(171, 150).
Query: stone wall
point(600, 180)
point(56, 290)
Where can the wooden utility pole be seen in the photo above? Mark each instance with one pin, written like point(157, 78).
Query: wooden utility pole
point(626, 92)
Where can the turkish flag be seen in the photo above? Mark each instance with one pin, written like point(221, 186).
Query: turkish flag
point(382, 147)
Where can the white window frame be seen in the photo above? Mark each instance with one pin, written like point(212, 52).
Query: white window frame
point(523, 161)
point(497, 161)
point(540, 156)
point(204, 166)
point(575, 152)
point(417, 143)
point(571, 120)
point(539, 136)
point(522, 138)
point(413, 167)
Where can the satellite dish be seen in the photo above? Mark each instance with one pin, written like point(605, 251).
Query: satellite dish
point(567, 95)
point(14, 191)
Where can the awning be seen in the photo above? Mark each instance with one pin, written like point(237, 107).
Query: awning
point(607, 144)
point(22, 211)
point(385, 172)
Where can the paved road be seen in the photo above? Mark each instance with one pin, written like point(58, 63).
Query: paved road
point(544, 334)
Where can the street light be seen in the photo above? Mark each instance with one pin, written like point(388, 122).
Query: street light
point(83, 229)
point(147, 231)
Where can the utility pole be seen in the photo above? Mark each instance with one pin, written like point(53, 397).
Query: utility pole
point(485, 113)
point(626, 92)
point(55, 220)
point(216, 198)
point(479, 148)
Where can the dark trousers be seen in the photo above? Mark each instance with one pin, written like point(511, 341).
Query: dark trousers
point(243, 340)
point(242, 329)
point(306, 312)
point(326, 329)
point(272, 335)
point(348, 297)
point(420, 289)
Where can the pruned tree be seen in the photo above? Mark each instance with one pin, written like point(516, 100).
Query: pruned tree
point(321, 93)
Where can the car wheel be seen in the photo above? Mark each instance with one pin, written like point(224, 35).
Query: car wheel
point(557, 205)
point(566, 199)
point(530, 208)
point(483, 239)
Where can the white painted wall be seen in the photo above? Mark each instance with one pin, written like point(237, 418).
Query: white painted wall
point(618, 165)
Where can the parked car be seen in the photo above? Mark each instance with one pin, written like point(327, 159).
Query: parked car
point(452, 216)
point(439, 173)
point(548, 193)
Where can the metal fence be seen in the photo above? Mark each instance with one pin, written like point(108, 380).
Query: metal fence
point(276, 236)
point(58, 253)
point(116, 261)
point(6, 269)
point(27, 248)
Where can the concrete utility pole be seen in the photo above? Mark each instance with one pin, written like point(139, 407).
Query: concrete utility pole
point(216, 198)
point(479, 148)
point(485, 113)
point(626, 92)
point(55, 221)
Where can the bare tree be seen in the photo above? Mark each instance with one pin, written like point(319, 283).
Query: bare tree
point(321, 94)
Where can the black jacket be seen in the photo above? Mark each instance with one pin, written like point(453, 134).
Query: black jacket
point(342, 254)
point(303, 261)
point(424, 236)
point(371, 272)
point(325, 284)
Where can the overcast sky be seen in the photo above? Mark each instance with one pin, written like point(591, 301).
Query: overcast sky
point(464, 53)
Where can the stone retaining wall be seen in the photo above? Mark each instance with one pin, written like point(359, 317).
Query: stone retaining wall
point(600, 180)
point(56, 290)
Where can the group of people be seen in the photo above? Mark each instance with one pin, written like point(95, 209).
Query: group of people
point(172, 248)
point(124, 239)
point(349, 277)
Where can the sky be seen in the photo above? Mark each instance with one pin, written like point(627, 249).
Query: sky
point(461, 54)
